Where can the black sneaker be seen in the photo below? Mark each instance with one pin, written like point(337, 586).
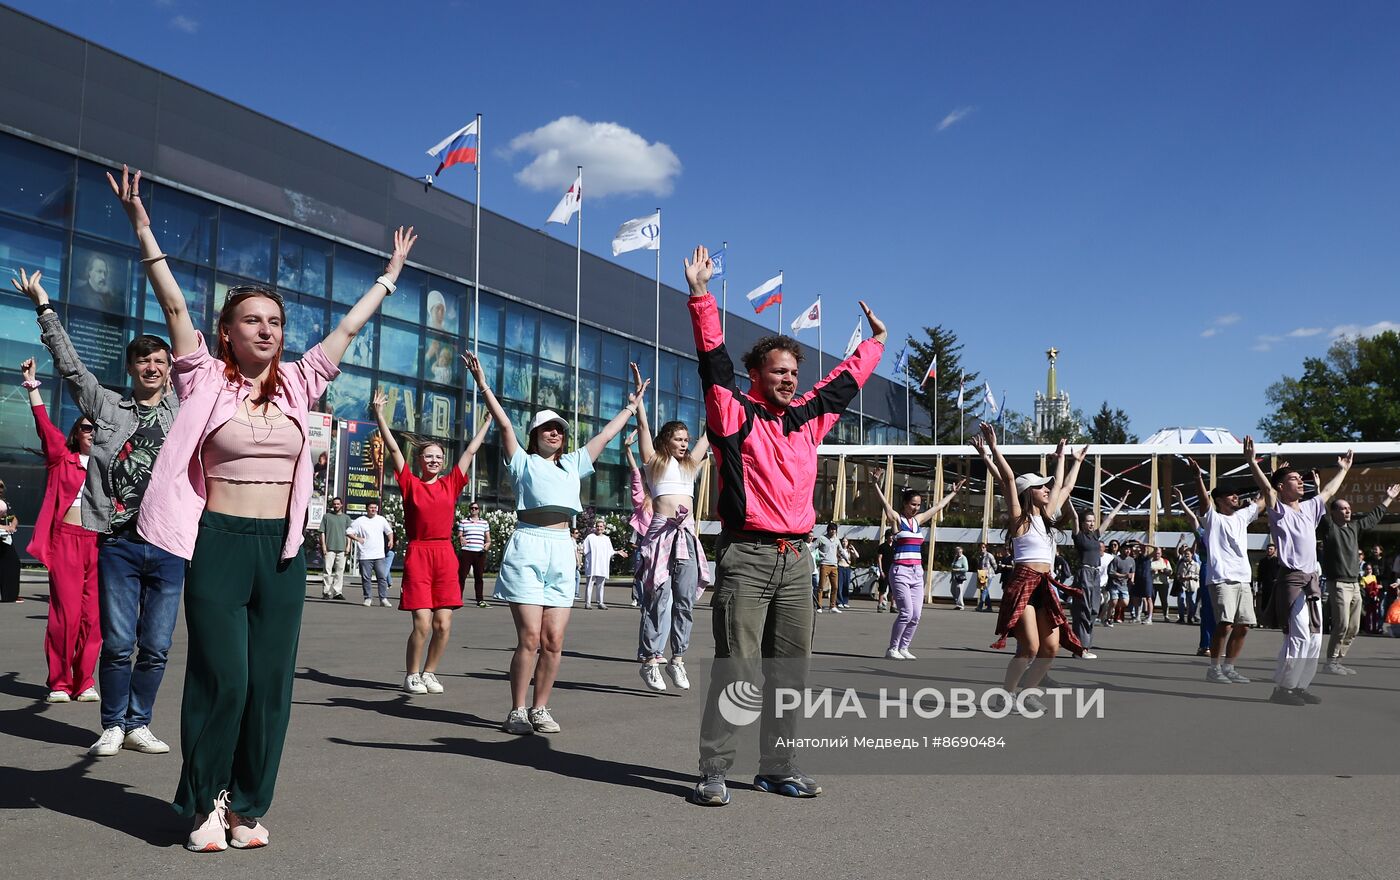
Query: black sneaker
point(791, 782)
point(1286, 697)
point(710, 791)
point(1307, 696)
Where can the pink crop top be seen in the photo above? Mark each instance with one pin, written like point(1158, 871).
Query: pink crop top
point(253, 451)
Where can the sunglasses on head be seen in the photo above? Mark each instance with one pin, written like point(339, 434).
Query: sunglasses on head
point(252, 288)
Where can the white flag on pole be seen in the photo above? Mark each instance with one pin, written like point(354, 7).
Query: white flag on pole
point(569, 205)
point(961, 383)
point(854, 341)
point(810, 318)
point(644, 233)
point(991, 400)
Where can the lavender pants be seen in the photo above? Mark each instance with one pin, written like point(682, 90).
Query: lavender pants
point(907, 593)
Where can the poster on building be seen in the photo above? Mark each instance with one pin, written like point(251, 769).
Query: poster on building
point(1365, 486)
point(318, 439)
point(361, 460)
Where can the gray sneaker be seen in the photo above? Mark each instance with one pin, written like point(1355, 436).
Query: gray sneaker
point(1335, 667)
point(710, 791)
point(1032, 703)
point(1217, 676)
point(1235, 677)
point(542, 721)
point(518, 722)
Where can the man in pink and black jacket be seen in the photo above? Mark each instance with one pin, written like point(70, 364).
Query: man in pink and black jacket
point(765, 446)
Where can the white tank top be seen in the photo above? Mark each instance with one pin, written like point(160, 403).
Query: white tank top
point(1035, 545)
point(673, 481)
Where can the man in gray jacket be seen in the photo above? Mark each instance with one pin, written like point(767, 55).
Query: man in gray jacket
point(1341, 565)
point(139, 584)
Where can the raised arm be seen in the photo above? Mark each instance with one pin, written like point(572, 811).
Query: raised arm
point(1267, 497)
point(1203, 499)
point(28, 370)
point(1344, 463)
point(986, 446)
point(50, 437)
point(509, 442)
point(395, 454)
point(87, 392)
point(600, 440)
point(1064, 484)
point(876, 475)
point(183, 339)
point(1181, 501)
point(335, 344)
point(699, 449)
point(643, 432)
point(942, 503)
point(1108, 520)
point(464, 463)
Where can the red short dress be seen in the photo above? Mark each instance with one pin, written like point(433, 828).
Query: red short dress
point(430, 515)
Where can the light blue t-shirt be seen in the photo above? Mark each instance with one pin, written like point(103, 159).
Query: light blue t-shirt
point(540, 484)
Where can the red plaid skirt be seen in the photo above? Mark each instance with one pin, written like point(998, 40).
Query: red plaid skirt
point(1016, 594)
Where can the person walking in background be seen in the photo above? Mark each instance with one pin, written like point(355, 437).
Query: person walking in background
point(1341, 559)
point(374, 538)
point(885, 555)
point(72, 638)
point(598, 553)
point(474, 537)
point(334, 543)
point(846, 556)
point(9, 559)
point(958, 578)
point(826, 545)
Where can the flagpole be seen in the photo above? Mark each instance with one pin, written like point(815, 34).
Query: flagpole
point(908, 430)
point(962, 383)
point(780, 304)
point(578, 278)
point(476, 287)
point(656, 352)
point(935, 400)
point(820, 316)
point(862, 414)
point(724, 293)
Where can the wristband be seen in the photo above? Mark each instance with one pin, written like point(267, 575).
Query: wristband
point(151, 261)
point(31, 384)
point(388, 285)
point(43, 307)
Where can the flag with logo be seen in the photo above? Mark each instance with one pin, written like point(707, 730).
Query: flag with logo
point(457, 148)
point(569, 205)
point(717, 259)
point(991, 399)
point(644, 233)
point(810, 318)
point(854, 341)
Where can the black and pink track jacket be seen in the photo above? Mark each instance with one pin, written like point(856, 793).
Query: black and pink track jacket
point(766, 457)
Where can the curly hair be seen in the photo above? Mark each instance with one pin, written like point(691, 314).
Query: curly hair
point(755, 357)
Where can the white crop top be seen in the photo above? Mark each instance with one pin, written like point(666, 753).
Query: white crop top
point(78, 500)
point(673, 481)
point(1035, 545)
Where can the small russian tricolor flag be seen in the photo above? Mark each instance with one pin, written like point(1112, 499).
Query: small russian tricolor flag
point(457, 148)
point(767, 293)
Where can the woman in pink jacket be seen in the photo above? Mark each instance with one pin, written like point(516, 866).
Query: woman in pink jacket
point(72, 639)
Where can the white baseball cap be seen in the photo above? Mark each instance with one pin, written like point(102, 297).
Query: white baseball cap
point(544, 417)
point(1030, 481)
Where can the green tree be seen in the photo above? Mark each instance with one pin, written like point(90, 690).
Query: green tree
point(1352, 393)
point(1110, 425)
point(942, 343)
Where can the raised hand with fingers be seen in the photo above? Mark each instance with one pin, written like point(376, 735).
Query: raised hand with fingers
point(699, 270)
point(1249, 447)
point(1060, 448)
point(404, 239)
point(878, 332)
point(1393, 492)
point(29, 285)
point(380, 399)
point(473, 364)
point(129, 193)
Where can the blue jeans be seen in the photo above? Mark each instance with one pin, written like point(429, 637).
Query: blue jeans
point(1206, 606)
point(139, 588)
point(372, 570)
point(843, 585)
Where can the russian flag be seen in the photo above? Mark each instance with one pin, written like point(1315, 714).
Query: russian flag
point(456, 148)
point(932, 372)
point(767, 293)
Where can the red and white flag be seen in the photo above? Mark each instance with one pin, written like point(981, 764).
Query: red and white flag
point(810, 318)
point(570, 204)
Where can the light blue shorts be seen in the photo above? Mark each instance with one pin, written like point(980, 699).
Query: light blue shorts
point(538, 567)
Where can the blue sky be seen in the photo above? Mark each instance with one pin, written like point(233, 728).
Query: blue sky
point(1185, 199)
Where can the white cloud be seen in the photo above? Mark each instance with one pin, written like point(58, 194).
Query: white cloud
point(1219, 323)
point(955, 117)
point(1305, 332)
point(184, 23)
point(1209, 332)
point(1266, 341)
point(1367, 331)
point(615, 159)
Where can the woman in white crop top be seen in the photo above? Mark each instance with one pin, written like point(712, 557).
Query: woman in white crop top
point(538, 575)
point(671, 563)
point(1030, 610)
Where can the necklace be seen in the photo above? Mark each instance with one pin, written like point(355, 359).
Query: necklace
point(266, 420)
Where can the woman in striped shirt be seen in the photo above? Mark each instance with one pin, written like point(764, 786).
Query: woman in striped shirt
point(907, 573)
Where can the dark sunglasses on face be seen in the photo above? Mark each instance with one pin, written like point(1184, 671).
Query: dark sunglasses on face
point(86, 429)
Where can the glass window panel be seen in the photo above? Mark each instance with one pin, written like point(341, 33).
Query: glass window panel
point(348, 395)
point(361, 350)
point(556, 337)
point(519, 380)
point(446, 308)
point(184, 225)
point(407, 302)
point(666, 379)
point(303, 263)
point(99, 212)
point(612, 397)
point(688, 374)
point(402, 408)
point(35, 181)
point(606, 488)
point(587, 394)
point(490, 320)
point(30, 247)
point(490, 366)
point(353, 273)
point(520, 329)
point(689, 412)
point(100, 341)
point(306, 323)
point(101, 277)
point(588, 341)
point(19, 340)
point(398, 350)
point(555, 387)
point(640, 355)
point(196, 284)
point(614, 358)
point(440, 360)
point(245, 245)
point(438, 416)
point(666, 409)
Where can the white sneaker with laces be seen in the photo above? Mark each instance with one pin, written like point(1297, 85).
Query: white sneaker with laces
point(837, 610)
point(431, 683)
point(142, 740)
point(517, 722)
point(109, 743)
point(57, 697)
point(369, 603)
point(1088, 655)
point(212, 835)
point(651, 675)
point(542, 721)
point(676, 669)
point(894, 654)
point(385, 603)
point(413, 684)
point(908, 654)
point(88, 696)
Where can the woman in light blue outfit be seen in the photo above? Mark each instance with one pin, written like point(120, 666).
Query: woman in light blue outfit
point(538, 566)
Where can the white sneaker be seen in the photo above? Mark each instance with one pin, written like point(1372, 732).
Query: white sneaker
point(369, 603)
point(517, 722)
point(602, 607)
point(386, 603)
point(108, 744)
point(908, 654)
point(651, 674)
point(413, 684)
point(88, 696)
point(1147, 622)
point(57, 697)
point(142, 740)
point(431, 683)
point(676, 669)
point(820, 611)
point(1088, 655)
point(212, 835)
point(542, 721)
point(837, 610)
point(894, 654)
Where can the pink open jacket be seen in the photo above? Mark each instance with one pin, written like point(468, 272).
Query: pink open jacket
point(66, 475)
point(174, 501)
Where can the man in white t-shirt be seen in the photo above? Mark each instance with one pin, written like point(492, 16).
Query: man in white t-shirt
point(1297, 595)
point(1225, 523)
point(374, 537)
point(597, 561)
